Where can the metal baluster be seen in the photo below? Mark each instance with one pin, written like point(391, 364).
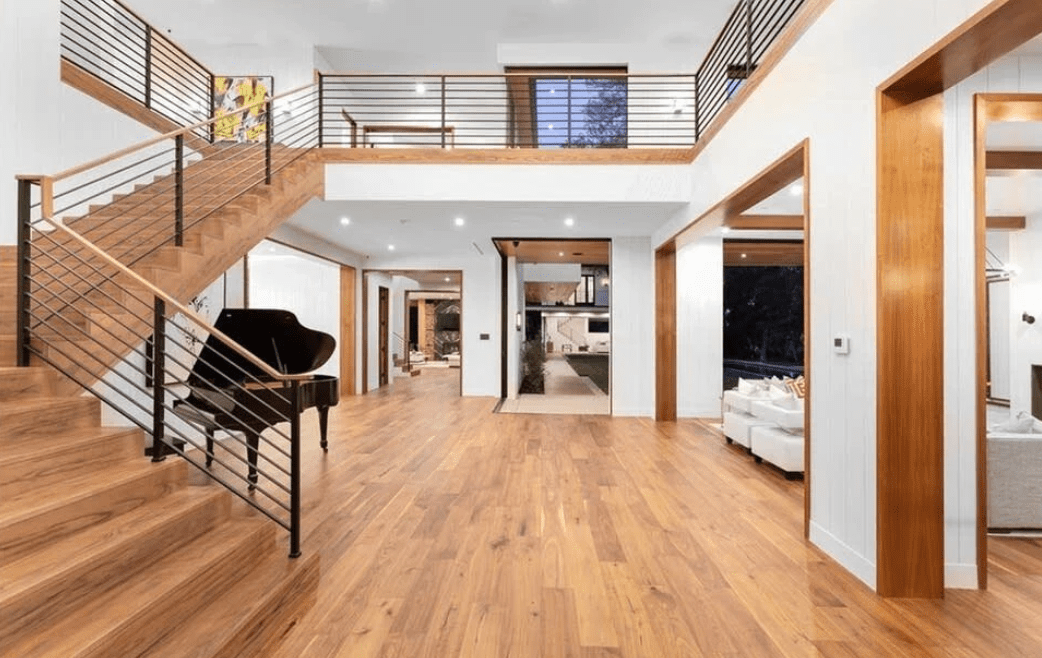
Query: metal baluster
point(321, 108)
point(748, 38)
point(158, 379)
point(269, 124)
point(179, 190)
point(148, 67)
point(294, 486)
point(24, 268)
point(568, 109)
point(698, 110)
point(443, 111)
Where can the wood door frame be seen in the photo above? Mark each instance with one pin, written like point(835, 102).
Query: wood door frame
point(987, 108)
point(348, 313)
point(783, 172)
point(910, 468)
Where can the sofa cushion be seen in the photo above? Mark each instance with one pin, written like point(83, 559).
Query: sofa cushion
point(1022, 423)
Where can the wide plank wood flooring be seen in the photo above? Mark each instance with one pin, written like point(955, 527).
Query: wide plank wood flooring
point(446, 530)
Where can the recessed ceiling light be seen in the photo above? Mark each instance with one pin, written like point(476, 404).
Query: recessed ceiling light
point(743, 255)
point(421, 88)
point(796, 189)
point(447, 279)
point(460, 221)
point(390, 247)
point(344, 221)
point(569, 221)
point(560, 253)
point(725, 229)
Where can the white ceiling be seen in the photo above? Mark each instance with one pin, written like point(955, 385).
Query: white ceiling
point(397, 35)
point(428, 228)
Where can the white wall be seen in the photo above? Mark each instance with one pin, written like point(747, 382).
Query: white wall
point(45, 125)
point(291, 64)
point(578, 335)
point(516, 275)
point(1010, 74)
point(632, 327)
point(824, 89)
point(700, 328)
point(999, 314)
point(307, 286)
point(1025, 297)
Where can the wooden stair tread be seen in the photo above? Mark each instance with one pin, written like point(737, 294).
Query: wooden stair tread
point(71, 441)
point(51, 581)
point(242, 620)
point(33, 419)
point(126, 620)
point(20, 383)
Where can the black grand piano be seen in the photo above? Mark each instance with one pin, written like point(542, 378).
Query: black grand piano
point(218, 400)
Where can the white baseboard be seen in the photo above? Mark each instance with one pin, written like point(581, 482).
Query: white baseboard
point(960, 576)
point(847, 557)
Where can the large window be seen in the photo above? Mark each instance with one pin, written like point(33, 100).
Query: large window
point(573, 108)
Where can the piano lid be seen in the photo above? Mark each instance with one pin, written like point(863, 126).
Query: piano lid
point(273, 335)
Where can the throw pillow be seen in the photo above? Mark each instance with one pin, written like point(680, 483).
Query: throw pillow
point(798, 387)
point(1022, 423)
point(747, 386)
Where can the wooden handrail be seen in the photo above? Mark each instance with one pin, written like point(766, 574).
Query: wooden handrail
point(540, 72)
point(170, 135)
point(181, 308)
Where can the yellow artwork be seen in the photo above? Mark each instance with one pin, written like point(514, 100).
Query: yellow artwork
point(236, 120)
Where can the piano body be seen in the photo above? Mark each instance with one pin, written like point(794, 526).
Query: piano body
point(217, 400)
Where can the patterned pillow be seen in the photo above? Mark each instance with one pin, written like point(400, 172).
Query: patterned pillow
point(798, 386)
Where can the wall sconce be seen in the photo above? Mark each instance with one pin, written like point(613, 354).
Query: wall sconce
point(517, 320)
point(1030, 319)
point(605, 281)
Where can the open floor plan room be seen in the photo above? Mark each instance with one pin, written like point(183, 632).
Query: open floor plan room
point(452, 531)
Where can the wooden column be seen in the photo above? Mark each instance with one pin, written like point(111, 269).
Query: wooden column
point(666, 333)
point(348, 276)
point(910, 310)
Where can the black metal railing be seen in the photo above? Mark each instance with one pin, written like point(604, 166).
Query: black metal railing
point(84, 311)
point(108, 40)
point(551, 108)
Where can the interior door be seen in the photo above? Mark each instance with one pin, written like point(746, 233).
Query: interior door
point(384, 333)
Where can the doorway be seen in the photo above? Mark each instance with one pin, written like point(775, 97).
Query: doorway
point(384, 324)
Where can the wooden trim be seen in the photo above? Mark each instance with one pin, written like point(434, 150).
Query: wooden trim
point(986, 36)
point(807, 343)
point(641, 156)
point(804, 18)
point(348, 313)
point(766, 222)
point(1014, 107)
point(995, 223)
point(763, 253)
point(980, 131)
point(784, 171)
point(910, 341)
point(365, 331)
point(1007, 160)
point(666, 334)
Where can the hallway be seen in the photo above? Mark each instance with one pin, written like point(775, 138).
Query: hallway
point(565, 393)
point(446, 530)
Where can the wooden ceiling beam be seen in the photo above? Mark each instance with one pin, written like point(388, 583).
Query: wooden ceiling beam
point(1007, 223)
point(1006, 160)
point(763, 253)
point(766, 223)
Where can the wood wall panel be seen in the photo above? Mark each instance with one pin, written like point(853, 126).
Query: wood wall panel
point(1006, 223)
point(666, 334)
point(1007, 160)
point(348, 310)
point(910, 308)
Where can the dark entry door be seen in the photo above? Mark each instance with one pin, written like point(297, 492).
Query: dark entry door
point(384, 333)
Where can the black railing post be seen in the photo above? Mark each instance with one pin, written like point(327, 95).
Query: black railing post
point(568, 109)
point(294, 475)
point(321, 107)
point(24, 268)
point(213, 108)
point(748, 38)
point(269, 123)
point(148, 67)
point(158, 379)
point(443, 111)
point(179, 190)
point(698, 110)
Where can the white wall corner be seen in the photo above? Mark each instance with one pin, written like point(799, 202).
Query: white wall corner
point(960, 576)
point(847, 557)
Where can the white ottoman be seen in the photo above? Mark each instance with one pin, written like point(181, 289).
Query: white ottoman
point(737, 427)
point(779, 447)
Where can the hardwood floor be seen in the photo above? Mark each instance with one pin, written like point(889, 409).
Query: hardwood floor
point(446, 530)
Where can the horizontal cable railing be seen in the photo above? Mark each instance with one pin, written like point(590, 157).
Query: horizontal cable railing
point(111, 42)
point(549, 108)
point(105, 327)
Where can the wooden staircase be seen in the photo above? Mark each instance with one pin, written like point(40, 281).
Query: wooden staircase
point(84, 306)
point(102, 552)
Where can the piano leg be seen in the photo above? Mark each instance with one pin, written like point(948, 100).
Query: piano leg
point(253, 441)
point(323, 425)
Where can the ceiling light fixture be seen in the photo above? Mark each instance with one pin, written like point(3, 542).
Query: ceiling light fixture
point(725, 229)
point(743, 255)
point(569, 221)
point(447, 279)
point(390, 247)
point(460, 221)
point(344, 221)
point(560, 253)
point(796, 189)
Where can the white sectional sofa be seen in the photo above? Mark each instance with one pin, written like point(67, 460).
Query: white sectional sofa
point(1015, 474)
point(768, 420)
